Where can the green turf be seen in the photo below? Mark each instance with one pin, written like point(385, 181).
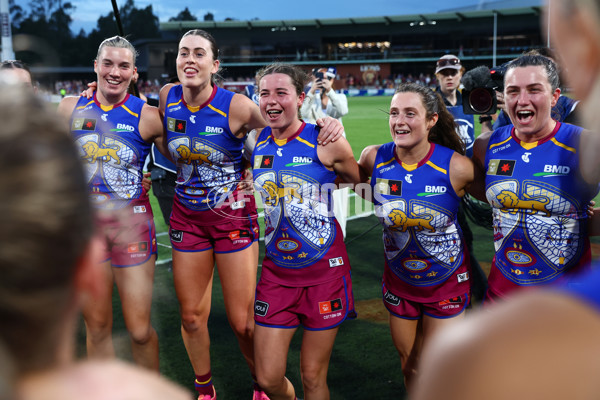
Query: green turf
point(364, 362)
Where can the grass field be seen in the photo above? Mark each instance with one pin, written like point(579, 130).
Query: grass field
point(364, 357)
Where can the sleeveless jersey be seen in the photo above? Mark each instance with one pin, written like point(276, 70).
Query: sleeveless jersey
point(303, 241)
point(423, 243)
point(539, 203)
point(109, 142)
point(207, 153)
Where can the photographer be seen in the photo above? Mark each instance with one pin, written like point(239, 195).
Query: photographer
point(322, 100)
point(449, 71)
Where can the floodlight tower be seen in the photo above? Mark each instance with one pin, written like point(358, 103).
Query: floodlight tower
point(7, 47)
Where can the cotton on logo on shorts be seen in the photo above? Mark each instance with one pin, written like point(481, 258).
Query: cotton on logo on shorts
point(336, 262)
point(176, 236)
point(261, 308)
point(139, 209)
point(392, 299)
point(463, 277)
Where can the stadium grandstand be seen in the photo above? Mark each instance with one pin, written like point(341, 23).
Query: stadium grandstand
point(364, 50)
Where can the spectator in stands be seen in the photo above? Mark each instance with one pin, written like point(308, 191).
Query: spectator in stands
point(448, 71)
point(48, 264)
point(323, 101)
point(542, 344)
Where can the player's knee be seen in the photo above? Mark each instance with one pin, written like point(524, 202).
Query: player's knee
point(98, 329)
point(313, 377)
point(192, 321)
point(142, 335)
point(243, 328)
point(272, 384)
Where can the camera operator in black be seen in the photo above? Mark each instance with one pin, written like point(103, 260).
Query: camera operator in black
point(448, 72)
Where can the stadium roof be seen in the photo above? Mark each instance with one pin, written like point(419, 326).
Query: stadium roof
point(480, 10)
point(496, 5)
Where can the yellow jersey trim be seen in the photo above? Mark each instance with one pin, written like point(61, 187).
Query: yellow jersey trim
point(173, 104)
point(130, 112)
point(529, 146)
point(501, 143)
point(216, 110)
point(564, 146)
point(260, 143)
point(305, 142)
point(432, 165)
point(383, 164)
point(85, 105)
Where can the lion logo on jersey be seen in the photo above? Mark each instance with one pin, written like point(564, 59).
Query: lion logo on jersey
point(287, 193)
point(187, 156)
point(509, 199)
point(401, 220)
point(94, 152)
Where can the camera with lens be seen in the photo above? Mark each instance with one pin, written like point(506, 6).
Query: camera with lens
point(480, 86)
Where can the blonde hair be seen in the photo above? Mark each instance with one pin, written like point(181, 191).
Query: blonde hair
point(119, 42)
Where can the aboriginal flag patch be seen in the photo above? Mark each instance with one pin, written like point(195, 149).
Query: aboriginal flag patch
point(83, 124)
point(176, 125)
point(389, 187)
point(263, 162)
point(501, 167)
point(326, 307)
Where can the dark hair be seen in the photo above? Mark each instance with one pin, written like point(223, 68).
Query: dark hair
point(45, 226)
point(213, 47)
point(202, 33)
point(298, 76)
point(444, 131)
point(16, 64)
point(528, 60)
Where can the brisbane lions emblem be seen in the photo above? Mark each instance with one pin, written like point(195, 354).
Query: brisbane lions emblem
point(401, 220)
point(187, 156)
point(287, 193)
point(94, 152)
point(509, 199)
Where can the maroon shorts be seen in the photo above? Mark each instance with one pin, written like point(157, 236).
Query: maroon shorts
point(318, 307)
point(128, 240)
point(226, 236)
point(408, 309)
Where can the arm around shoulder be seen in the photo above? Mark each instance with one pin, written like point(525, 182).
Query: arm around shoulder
point(462, 173)
point(589, 162)
point(244, 116)
point(339, 157)
point(477, 188)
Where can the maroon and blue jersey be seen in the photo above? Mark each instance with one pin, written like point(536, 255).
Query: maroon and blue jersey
point(303, 241)
point(416, 204)
point(113, 152)
point(207, 154)
point(539, 203)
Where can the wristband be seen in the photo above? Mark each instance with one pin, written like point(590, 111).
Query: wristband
point(484, 118)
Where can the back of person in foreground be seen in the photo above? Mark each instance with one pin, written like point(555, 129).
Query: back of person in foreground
point(48, 264)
